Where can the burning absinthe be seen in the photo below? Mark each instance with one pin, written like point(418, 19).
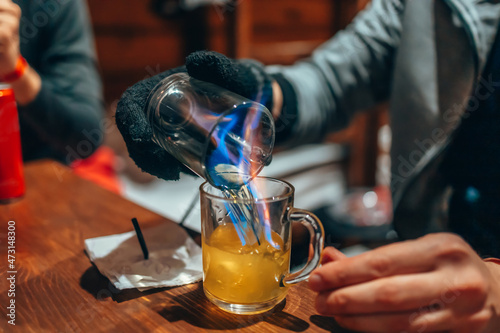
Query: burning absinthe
point(242, 210)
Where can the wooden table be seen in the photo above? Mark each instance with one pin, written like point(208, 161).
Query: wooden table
point(57, 289)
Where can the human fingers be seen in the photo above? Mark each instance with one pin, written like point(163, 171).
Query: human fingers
point(331, 254)
point(10, 8)
point(391, 294)
point(408, 257)
point(9, 40)
point(9, 24)
point(458, 297)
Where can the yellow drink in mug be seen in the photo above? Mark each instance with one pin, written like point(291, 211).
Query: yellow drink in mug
point(252, 276)
point(244, 274)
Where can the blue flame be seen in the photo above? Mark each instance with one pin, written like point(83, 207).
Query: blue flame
point(228, 151)
point(234, 139)
point(265, 220)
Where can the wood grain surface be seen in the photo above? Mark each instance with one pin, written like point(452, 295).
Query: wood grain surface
point(57, 288)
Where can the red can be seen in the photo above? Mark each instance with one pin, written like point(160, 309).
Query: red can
point(11, 158)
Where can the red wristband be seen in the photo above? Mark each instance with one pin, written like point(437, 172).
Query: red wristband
point(21, 66)
point(493, 260)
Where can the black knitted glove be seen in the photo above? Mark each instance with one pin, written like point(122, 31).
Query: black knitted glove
point(244, 77)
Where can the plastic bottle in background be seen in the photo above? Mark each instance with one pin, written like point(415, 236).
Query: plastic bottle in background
point(11, 159)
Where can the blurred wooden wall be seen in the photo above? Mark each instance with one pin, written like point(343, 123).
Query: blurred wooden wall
point(134, 43)
point(277, 31)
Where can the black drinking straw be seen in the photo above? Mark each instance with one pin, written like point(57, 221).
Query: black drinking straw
point(140, 238)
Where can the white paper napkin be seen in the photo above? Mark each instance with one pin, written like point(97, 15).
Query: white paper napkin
point(174, 258)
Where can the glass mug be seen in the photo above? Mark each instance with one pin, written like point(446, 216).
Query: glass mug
point(213, 131)
point(254, 277)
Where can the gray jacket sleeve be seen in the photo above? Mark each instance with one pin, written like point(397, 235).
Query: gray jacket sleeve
point(350, 72)
point(69, 107)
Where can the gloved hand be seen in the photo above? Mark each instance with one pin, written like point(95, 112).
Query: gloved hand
point(244, 77)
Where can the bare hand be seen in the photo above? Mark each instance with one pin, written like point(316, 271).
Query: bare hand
point(436, 283)
point(10, 15)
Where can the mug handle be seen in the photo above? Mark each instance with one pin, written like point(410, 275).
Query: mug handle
point(313, 224)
